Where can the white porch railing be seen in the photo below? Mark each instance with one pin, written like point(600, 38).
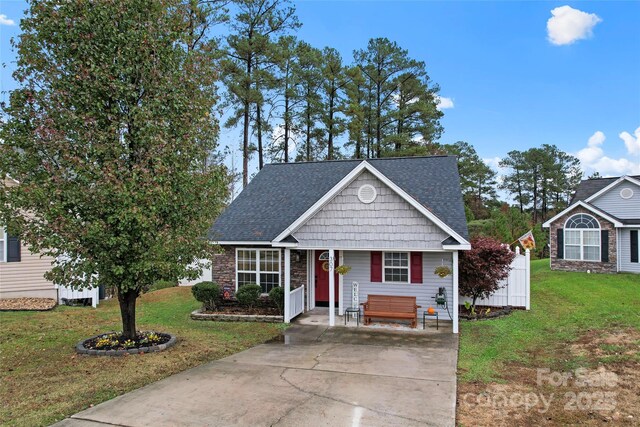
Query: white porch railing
point(67, 293)
point(296, 302)
point(516, 289)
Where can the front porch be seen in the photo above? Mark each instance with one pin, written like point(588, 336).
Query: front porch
point(319, 316)
point(320, 296)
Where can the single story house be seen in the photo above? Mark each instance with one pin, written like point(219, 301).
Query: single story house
point(21, 271)
point(599, 230)
point(392, 220)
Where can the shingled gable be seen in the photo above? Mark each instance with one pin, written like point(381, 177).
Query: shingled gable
point(280, 194)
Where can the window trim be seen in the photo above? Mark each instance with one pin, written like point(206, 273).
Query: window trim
point(582, 245)
point(384, 267)
point(257, 270)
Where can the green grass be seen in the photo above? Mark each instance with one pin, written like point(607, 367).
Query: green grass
point(564, 307)
point(42, 380)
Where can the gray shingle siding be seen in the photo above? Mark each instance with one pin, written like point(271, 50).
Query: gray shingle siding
point(281, 193)
point(388, 222)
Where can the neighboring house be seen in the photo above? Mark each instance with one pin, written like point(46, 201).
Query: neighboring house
point(391, 220)
point(599, 230)
point(21, 271)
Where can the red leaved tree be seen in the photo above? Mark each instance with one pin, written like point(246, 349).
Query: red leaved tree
point(483, 267)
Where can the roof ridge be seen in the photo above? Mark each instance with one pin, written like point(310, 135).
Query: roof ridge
point(360, 160)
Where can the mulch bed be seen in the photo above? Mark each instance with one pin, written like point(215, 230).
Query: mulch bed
point(260, 311)
point(27, 304)
point(481, 312)
point(115, 341)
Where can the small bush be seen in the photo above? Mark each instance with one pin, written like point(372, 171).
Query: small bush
point(248, 295)
point(276, 295)
point(208, 293)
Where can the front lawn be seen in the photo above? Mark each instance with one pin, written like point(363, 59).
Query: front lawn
point(42, 380)
point(577, 320)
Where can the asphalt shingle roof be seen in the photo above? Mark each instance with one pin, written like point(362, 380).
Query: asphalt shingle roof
point(282, 192)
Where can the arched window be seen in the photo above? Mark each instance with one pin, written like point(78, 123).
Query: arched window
point(582, 238)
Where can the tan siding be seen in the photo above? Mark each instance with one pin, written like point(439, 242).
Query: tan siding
point(388, 222)
point(26, 278)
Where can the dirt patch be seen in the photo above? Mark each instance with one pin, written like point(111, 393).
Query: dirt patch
point(27, 304)
point(605, 392)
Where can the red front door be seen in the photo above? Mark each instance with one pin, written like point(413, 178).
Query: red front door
point(322, 278)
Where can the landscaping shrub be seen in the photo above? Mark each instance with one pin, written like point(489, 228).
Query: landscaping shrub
point(208, 293)
point(276, 295)
point(483, 267)
point(248, 295)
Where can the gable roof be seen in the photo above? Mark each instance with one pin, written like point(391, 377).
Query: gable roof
point(590, 187)
point(280, 193)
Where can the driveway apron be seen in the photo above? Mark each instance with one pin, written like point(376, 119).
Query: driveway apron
point(311, 376)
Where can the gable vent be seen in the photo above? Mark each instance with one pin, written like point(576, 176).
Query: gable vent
point(626, 193)
point(367, 193)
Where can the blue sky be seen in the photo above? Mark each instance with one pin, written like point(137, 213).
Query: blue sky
point(515, 80)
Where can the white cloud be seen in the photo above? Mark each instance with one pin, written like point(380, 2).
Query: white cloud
point(593, 159)
point(6, 21)
point(632, 143)
point(444, 102)
point(568, 25)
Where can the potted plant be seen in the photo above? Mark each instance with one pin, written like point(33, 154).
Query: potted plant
point(343, 269)
point(442, 271)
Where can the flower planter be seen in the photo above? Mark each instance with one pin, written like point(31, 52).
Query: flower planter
point(222, 317)
point(82, 349)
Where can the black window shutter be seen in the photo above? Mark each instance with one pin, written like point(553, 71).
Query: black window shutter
point(604, 245)
point(13, 248)
point(634, 245)
point(560, 242)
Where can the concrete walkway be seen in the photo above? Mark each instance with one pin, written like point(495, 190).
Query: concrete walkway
point(312, 376)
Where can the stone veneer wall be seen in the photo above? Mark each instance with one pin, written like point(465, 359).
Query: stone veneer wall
point(224, 267)
point(594, 266)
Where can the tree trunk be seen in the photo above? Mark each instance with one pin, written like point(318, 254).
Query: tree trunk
point(308, 131)
point(259, 132)
point(286, 126)
point(127, 302)
point(330, 139)
point(245, 147)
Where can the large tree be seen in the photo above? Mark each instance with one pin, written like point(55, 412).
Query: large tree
point(250, 43)
point(393, 76)
point(308, 76)
point(477, 179)
point(334, 81)
point(107, 136)
point(541, 179)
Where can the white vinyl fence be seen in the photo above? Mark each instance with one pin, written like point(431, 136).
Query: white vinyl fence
point(517, 289)
point(296, 302)
point(66, 293)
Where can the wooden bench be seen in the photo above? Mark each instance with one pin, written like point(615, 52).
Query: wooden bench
point(390, 307)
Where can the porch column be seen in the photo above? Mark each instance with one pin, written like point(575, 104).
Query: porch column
point(332, 288)
point(341, 287)
point(455, 292)
point(287, 284)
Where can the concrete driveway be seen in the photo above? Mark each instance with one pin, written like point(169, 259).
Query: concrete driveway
point(313, 376)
